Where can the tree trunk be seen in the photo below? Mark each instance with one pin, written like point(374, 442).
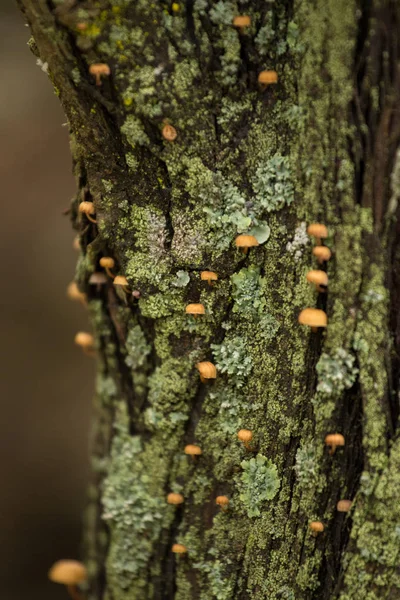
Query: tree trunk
point(266, 160)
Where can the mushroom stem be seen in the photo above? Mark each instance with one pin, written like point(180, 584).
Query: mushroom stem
point(314, 329)
point(332, 449)
point(203, 379)
point(89, 352)
point(91, 218)
point(74, 592)
point(98, 78)
point(321, 289)
point(110, 273)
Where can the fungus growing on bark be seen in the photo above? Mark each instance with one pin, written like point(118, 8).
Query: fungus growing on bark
point(241, 22)
point(122, 282)
point(179, 549)
point(266, 78)
point(173, 498)
point(88, 209)
point(244, 242)
point(192, 450)
point(108, 263)
point(333, 440)
point(195, 309)
point(319, 279)
point(314, 318)
point(317, 231)
point(99, 69)
point(316, 527)
point(70, 573)
point(207, 371)
point(344, 505)
point(98, 279)
point(222, 501)
point(169, 133)
point(322, 253)
point(208, 276)
point(245, 436)
point(74, 293)
point(86, 342)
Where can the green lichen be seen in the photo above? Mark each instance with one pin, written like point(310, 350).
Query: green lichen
point(273, 184)
point(336, 373)
point(231, 358)
point(260, 482)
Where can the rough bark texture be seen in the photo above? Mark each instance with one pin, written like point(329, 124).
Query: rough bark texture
point(318, 146)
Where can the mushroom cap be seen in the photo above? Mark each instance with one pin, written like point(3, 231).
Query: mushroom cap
point(179, 549)
point(84, 339)
point(195, 309)
point(208, 276)
point(169, 133)
point(317, 277)
point(87, 208)
point(313, 317)
point(322, 252)
point(241, 21)
point(268, 77)
point(107, 262)
point(68, 572)
point(245, 435)
point(222, 500)
point(246, 241)
point(99, 69)
point(173, 498)
point(316, 526)
point(97, 278)
point(317, 230)
point(120, 280)
point(192, 450)
point(334, 439)
point(207, 370)
point(344, 505)
point(74, 292)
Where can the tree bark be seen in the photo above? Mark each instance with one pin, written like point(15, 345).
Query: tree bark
point(320, 145)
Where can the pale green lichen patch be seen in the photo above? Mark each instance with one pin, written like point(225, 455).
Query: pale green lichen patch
point(260, 482)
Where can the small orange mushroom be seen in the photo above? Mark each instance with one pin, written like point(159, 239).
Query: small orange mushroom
point(314, 318)
point(344, 505)
point(209, 276)
point(322, 253)
point(88, 209)
point(99, 69)
point(70, 573)
point(316, 527)
point(245, 436)
point(241, 22)
point(86, 342)
point(173, 498)
point(195, 309)
point(207, 371)
point(192, 450)
point(245, 242)
point(74, 293)
point(334, 440)
point(108, 263)
point(266, 78)
point(319, 279)
point(222, 501)
point(179, 549)
point(169, 133)
point(318, 231)
point(122, 282)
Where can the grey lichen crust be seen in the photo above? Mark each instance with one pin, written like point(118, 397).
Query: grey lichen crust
point(244, 160)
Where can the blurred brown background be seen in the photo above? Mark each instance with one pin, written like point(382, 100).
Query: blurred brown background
point(46, 383)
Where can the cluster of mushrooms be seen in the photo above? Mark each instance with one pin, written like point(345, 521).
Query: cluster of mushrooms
point(72, 573)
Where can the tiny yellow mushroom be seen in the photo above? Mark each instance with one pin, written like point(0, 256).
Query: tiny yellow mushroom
point(266, 78)
point(86, 342)
point(74, 293)
point(208, 276)
point(173, 498)
point(322, 253)
point(179, 549)
point(108, 263)
point(344, 505)
point(317, 231)
point(70, 573)
point(192, 450)
point(122, 282)
point(169, 133)
point(99, 70)
point(319, 279)
point(244, 242)
point(195, 310)
point(314, 318)
point(316, 527)
point(88, 209)
point(222, 501)
point(245, 436)
point(334, 440)
point(207, 371)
